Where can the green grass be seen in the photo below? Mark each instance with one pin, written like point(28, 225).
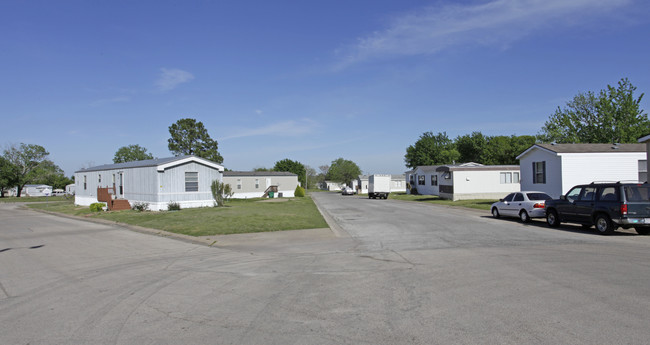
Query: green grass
point(481, 204)
point(239, 216)
point(32, 198)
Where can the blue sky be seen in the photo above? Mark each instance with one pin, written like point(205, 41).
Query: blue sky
point(311, 81)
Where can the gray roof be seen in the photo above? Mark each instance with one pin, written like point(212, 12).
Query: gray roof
point(463, 167)
point(258, 173)
point(427, 168)
point(592, 148)
point(136, 164)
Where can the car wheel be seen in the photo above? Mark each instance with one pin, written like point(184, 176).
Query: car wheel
point(495, 212)
point(642, 230)
point(552, 219)
point(604, 224)
point(523, 215)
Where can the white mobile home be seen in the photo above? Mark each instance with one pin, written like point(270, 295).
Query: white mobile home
point(184, 180)
point(258, 184)
point(36, 190)
point(424, 179)
point(555, 168)
point(477, 181)
point(398, 183)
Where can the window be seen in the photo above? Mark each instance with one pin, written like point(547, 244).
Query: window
point(509, 197)
point(85, 184)
point(509, 177)
point(99, 179)
point(518, 197)
point(447, 175)
point(257, 183)
point(191, 181)
point(588, 194)
point(574, 194)
point(539, 172)
point(434, 180)
point(238, 183)
point(421, 180)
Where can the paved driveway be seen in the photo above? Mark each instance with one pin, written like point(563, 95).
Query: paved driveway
point(406, 274)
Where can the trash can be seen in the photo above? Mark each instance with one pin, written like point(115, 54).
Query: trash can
point(270, 195)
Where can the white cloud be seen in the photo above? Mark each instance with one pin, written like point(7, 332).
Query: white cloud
point(286, 128)
point(499, 22)
point(170, 78)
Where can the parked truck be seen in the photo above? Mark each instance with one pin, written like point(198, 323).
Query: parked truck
point(378, 186)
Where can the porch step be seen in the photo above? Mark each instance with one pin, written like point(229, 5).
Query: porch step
point(120, 204)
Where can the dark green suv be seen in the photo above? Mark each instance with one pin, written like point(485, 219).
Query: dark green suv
point(608, 206)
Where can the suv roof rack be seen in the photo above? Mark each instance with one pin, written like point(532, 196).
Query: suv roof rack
point(599, 182)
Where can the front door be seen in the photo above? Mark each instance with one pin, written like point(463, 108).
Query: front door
point(120, 181)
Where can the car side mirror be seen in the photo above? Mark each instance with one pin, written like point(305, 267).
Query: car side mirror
point(501, 200)
point(562, 197)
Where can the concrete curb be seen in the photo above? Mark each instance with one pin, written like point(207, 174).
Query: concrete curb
point(336, 229)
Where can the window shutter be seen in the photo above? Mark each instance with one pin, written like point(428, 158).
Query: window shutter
point(544, 172)
point(534, 174)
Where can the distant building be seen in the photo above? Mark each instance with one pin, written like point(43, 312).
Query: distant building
point(258, 184)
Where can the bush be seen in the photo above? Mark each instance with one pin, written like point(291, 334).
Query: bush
point(140, 206)
point(299, 192)
point(173, 206)
point(96, 207)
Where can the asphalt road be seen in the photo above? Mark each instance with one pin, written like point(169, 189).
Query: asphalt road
point(399, 273)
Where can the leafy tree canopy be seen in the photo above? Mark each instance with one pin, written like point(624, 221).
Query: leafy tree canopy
point(131, 153)
point(343, 171)
point(25, 158)
point(431, 149)
point(612, 116)
point(292, 167)
point(189, 137)
point(50, 174)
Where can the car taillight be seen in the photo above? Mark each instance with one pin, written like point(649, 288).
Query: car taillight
point(624, 209)
point(539, 205)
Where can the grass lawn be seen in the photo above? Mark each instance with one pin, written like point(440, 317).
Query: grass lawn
point(32, 198)
point(239, 216)
point(481, 204)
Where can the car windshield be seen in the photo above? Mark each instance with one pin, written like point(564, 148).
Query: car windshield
point(637, 193)
point(538, 196)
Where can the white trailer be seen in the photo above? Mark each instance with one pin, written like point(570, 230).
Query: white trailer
point(378, 186)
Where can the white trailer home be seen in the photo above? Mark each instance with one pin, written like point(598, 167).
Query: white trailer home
point(555, 168)
point(36, 190)
point(258, 184)
point(477, 181)
point(424, 179)
point(184, 180)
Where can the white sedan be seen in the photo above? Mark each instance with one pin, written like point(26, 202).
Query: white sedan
point(524, 205)
point(347, 191)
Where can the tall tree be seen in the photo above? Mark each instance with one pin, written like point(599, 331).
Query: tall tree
point(50, 174)
point(472, 148)
point(131, 153)
point(189, 137)
point(431, 149)
point(292, 167)
point(26, 158)
point(612, 116)
point(343, 171)
point(8, 176)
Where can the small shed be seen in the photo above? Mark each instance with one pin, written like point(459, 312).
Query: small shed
point(555, 168)
point(185, 180)
point(258, 184)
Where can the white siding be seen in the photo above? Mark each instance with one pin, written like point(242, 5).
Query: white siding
point(427, 188)
point(553, 185)
point(286, 185)
point(579, 168)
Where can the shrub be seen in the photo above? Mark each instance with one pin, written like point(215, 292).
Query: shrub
point(299, 192)
point(414, 190)
point(221, 192)
point(140, 206)
point(96, 207)
point(173, 206)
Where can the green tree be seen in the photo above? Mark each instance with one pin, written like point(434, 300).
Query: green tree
point(50, 174)
point(343, 171)
point(189, 137)
point(8, 176)
point(131, 153)
point(292, 167)
point(26, 158)
point(613, 116)
point(431, 149)
point(472, 148)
